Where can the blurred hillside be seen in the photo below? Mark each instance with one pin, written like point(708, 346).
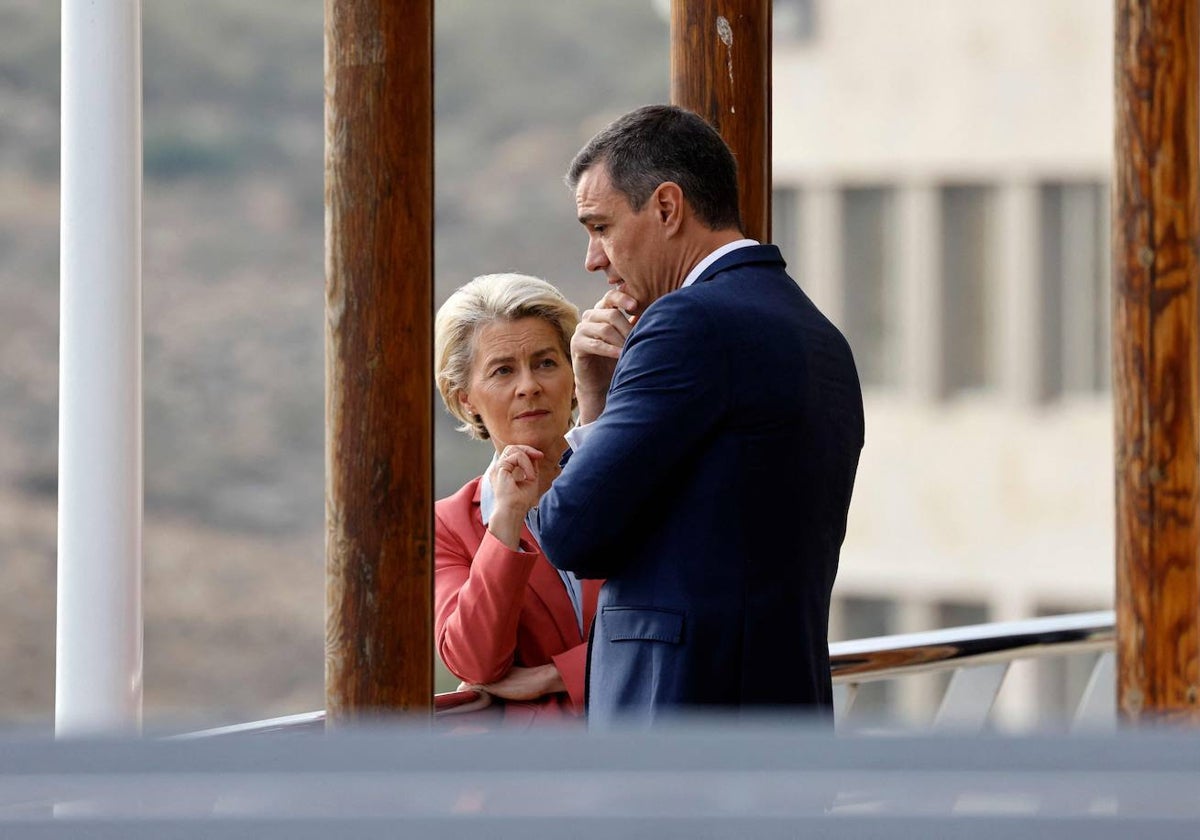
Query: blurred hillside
point(233, 296)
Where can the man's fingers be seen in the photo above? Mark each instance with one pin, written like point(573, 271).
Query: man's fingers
point(596, 347)
point(615, 318)
point(605, 333)
point(601, 333)
point(616, 299)
point(611, 331)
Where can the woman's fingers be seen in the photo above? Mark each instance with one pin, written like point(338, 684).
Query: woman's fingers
point(526, 683)
point(518, 462)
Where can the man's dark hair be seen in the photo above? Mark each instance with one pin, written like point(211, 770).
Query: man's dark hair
point(658, 143)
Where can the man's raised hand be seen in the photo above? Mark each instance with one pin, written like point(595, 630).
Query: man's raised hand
point(595, 347)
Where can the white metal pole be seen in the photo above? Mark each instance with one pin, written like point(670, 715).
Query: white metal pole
point(99, 648)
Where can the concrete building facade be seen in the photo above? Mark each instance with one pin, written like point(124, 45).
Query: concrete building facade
point(941, 174)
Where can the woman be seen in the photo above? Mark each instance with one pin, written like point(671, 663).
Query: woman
point(505, 619)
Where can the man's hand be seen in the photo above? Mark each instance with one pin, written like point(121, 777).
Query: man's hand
point(595, 347)
point(526, 683)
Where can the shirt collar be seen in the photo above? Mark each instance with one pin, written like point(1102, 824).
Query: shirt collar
point(695, 273)
point(487, 496)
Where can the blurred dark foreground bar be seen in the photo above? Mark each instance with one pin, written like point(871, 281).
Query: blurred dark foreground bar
point(699, 778)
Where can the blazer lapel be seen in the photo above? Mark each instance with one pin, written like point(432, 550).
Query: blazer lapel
point(545, 582)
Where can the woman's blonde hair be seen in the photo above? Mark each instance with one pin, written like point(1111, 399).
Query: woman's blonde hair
point(492, 297)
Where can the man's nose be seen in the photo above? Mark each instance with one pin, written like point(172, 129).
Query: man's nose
point(596, 259)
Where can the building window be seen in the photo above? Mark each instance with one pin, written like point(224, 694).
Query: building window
point(965, 312)
point(795, 20)
point(961, 614)
point(785, 226)
point(1076, 319)
point(870, 307)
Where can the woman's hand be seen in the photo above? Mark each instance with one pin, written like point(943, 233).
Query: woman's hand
point(526, 683)
point(514, 479)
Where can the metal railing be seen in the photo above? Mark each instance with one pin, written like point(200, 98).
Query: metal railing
point(977, 658)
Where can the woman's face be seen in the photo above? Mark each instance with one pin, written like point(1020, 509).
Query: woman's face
point(521, 384)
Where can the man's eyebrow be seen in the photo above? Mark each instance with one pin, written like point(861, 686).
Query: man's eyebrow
point(588, 218)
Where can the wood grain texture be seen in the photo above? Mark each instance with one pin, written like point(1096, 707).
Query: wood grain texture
point(378, 357)
point(721, 69)
point(1156, 381)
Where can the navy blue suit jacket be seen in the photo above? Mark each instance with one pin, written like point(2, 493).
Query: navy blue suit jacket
point(712, 494)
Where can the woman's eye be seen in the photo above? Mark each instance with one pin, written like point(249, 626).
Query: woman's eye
point(503, 370)
point(549, 362)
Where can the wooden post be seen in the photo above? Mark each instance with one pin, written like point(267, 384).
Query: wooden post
point(1156, 377)
point(721, 69)
point(378, 357)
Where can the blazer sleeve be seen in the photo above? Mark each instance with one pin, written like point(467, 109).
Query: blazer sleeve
point(477, 603)
point(670, 388)
point(572, 667)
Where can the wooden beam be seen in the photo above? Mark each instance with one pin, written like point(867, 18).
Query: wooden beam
point(1156, 376)
point(721, 69)
point(378, 357)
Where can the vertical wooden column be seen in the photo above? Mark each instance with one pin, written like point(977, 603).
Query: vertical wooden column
point(378, 356)
point(721, 69)
point(1156, 377)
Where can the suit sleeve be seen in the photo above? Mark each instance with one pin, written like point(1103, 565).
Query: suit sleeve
point(670, 388)
point(477, 603)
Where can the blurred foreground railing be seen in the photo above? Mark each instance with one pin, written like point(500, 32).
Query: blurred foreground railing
point(713, 777)
point(717, 776)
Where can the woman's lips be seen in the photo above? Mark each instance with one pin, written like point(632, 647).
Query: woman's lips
point(531, 414)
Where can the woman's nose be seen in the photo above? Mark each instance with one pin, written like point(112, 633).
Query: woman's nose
point(527, 383)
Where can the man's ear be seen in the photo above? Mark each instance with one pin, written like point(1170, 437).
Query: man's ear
point(668, 205)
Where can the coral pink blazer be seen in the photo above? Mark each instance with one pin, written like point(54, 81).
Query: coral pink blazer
point(495, 608)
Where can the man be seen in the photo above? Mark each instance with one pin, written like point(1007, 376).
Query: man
point(722, 422)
